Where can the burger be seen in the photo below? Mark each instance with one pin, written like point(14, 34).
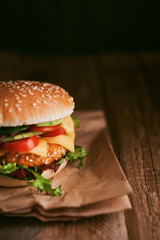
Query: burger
point(37, 134)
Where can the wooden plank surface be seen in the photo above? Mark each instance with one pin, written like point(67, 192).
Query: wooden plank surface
point(80, 77)
point(135, 130)
point(77, 75)
point(126, 87)
point(104, 227)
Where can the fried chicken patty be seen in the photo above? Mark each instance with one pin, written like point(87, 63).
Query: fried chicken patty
point(55, 152)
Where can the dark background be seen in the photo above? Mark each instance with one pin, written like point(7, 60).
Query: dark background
point(79, 26)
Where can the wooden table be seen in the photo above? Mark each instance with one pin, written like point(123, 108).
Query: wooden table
point(127, 88)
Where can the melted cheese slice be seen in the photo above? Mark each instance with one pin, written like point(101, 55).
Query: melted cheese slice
point(66, 140)
point(41, 149)
point(63, 140)
point(68, 125)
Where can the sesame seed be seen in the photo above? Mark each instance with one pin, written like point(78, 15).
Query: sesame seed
point(19, 109)
point(6, 104)
point(45, 84)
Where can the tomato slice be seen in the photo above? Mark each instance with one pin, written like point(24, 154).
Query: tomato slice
point(54, 133)
point(43, 129)
point(24, 144)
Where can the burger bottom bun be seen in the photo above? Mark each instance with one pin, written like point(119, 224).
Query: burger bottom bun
point(12, 182)
point(49, 173)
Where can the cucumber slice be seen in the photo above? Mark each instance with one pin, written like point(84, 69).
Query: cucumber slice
point(76, 122)
point(20, 136)
point(51, 123)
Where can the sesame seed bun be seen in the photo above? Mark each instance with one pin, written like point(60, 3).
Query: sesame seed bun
point(32, 102)
point(12, 182)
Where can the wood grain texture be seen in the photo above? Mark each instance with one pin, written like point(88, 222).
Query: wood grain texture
point(109, 226)
point(127, 86)
point(79, 76)
point(135, 130)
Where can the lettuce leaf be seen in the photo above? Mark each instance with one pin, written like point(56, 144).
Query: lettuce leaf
point(78, 154)
point(41, 183)
point(76, 122)
point(60, 161)
point(11, 130)
point(8, 168)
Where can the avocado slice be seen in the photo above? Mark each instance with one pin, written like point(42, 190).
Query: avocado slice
point(20, 136)
point(76, 122)
point(51, 123)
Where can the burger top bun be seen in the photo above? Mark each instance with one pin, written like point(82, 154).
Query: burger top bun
point(32, 102)
point(12, 182)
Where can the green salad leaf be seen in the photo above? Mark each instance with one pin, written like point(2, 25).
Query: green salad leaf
point(10, 130)
point(78, 154)
point(35, 168)
point(41, 183)
point(38, 181)
point(8, 168)
point(76, 122)
point(45, 185)
point(60, 161)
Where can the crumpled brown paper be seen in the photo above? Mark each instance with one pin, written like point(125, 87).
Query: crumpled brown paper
point(99, 187)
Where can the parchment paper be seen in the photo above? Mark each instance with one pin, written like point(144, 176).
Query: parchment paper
point(100, 187)
point(108, 206)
